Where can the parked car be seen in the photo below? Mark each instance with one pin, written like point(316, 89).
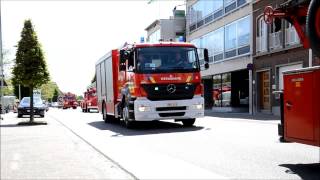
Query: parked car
point(38, 106)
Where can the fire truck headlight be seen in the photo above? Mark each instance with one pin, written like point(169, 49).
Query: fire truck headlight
point(198, 106)
point(89, 103)
point(143, 108)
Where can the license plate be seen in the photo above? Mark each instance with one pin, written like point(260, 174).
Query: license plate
point(172, 104)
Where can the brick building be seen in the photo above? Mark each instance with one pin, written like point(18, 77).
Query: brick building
point(273, 53)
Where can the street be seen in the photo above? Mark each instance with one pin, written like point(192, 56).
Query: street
point(215, 148)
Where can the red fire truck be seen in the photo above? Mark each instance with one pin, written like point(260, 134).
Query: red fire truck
point(89, 101)
point(69, 100)
point(146, 82)
point(300, 115)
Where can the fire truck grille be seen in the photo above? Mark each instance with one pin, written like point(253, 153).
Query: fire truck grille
point(157, 92)
point(171, 114)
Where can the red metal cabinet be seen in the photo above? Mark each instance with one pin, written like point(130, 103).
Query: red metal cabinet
point(302, 106)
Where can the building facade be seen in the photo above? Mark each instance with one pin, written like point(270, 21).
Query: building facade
point(224, 27)
point(172, 29)
point(276, 48)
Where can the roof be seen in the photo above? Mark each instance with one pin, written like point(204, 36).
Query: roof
point(153, 24)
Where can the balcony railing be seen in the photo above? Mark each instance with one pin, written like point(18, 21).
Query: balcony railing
point(291, 37)
point(275, 40)
point(261, 44)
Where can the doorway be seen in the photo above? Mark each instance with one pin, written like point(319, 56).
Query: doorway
point(264, 91)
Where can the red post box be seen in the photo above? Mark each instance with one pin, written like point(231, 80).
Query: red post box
point(301, 101)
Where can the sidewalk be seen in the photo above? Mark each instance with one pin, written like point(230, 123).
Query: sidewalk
point(259, 116)
point(50, 152)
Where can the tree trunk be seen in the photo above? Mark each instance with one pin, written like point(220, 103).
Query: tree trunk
point(31, 105)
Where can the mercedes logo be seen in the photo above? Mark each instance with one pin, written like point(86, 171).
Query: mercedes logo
point(171, 88)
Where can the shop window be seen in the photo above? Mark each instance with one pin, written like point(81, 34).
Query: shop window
point(222, 90)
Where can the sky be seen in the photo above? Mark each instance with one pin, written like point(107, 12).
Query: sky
point(74, 34)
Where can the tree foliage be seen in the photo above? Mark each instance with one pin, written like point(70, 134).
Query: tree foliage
point(55, 95)
point(8, 90)
point(30, 69)
point(48, 89)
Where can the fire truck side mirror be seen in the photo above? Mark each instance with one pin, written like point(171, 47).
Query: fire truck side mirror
point(206, 58)
point(206, 55)
point(122, 56)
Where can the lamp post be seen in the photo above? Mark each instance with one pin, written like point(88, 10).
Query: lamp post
point(1, 66)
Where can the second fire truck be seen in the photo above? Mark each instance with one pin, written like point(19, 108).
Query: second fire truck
point(89, 101)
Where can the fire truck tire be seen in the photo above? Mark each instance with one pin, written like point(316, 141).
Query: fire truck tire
point(188, 122)
point(313, 26)
point(125, 116)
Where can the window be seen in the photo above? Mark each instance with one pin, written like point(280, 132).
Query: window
point(218, 39)
point(192, 15)
point(231, 36)
point(207, 7)
point(155, 36)
point(226, 42)
point(205, 11)
point(198, 7)
point(244, 32)
point(262, 32)
point(217, 4)
point(291, 35)
point(222, 90)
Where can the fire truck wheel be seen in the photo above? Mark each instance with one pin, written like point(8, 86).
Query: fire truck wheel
point(188, 122)
point(104, 114)
point(125, 116)
point(313, 26)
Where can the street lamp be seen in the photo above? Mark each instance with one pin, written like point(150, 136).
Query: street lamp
point(1, 66)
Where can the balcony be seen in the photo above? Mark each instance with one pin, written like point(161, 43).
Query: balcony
point(261, 44)
point(275, 40)
point(291, 36)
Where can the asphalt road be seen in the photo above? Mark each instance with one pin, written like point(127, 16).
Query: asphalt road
point(215, 148)
point(76, 145)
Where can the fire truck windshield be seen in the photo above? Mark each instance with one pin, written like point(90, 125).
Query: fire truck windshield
point(167, 59)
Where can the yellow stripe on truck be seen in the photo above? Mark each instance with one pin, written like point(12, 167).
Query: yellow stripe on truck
point(152, 80)
point(188, 79)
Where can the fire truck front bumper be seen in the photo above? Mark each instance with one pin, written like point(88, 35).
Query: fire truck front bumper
point(146, 110)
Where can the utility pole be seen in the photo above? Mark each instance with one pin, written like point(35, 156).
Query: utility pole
point(1, 66)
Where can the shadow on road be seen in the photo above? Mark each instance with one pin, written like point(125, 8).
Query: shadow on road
point(264, 117)
point(143, 128)
point(305, 171)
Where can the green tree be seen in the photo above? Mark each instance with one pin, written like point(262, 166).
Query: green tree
point(8, 90)
point(79, 98)
point(30, 69)
point(47, 90)
point(55, 95)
